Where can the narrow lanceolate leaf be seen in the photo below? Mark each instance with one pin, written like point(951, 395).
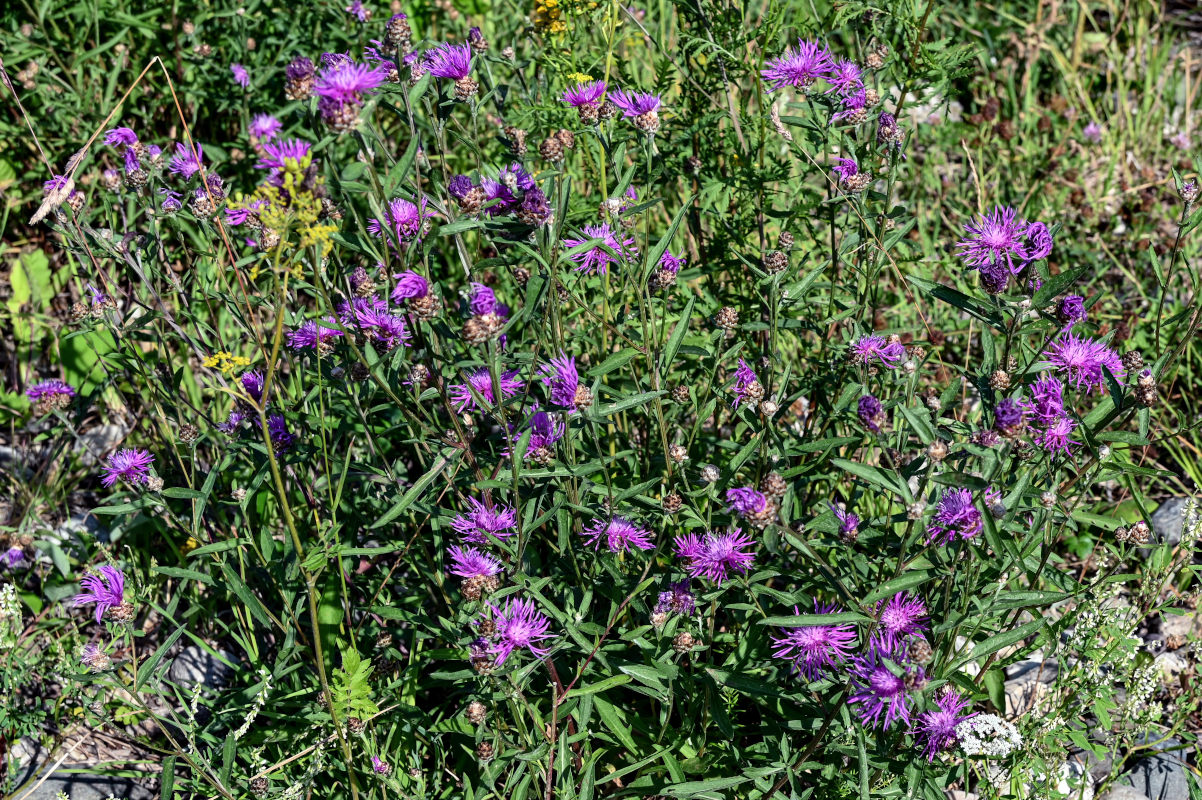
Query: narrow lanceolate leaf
point(409, 497)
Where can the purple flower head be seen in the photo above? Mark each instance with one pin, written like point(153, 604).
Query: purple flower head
point(995, 239)
point(936, 729)
point(872, 348)
point(409, 285)
point(745, 379)
point(50, 389)
point(132, 164)
point(403, 218)
point(669, 262)
point(241, 76)
point(584, 94)
point(312, 334)
point(715, 555)
point(1010, 416)
point(1093, 132)
point(481, 382)
point(371, 316)
point(1055, 437)
point(635, 104)
point(335, 60)
point(57, 183)
point(746, 501)
point(14, 556)
point(299, 69)
point(881, 696)
point(344, 82)
point(851, 106)
point(899, 618)
point(264, 127)
point(106, 590)
point(277, 429)
point(597, 259)
point(1082, 360)
point(620, 535)
point(798, 67)
point(955, 516)
point(252, 383)
point(846, 168)
point(459, 186)
point(814, 649)
point(359, 11)
point(849, 522)
point(519, 625)
point(131, 466)
point(468, 562)
point(172, 202)
point(562, 381)
point(238, 415)
point(453, 61)
point(544, 433)
point(186, 162)
point(844, 77)
point(1047, 400)
point(1039, 241)
point(276, 154)
point(123, 137)
point(378, 764)
point(483, 300)
point(534, 209)
point(482, 521)
point(871, 413)
point(678, 599)
point(1071, 310)
point(240, 216)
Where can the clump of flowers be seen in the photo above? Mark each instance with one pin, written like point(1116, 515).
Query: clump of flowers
point(1001, 244)
point(1084, 362)
point(51, 395)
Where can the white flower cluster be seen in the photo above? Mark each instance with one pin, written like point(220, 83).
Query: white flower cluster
point(260, 701)
point(988, 735)
point(1144, 683)
point(10, 617)
point(1191, 530)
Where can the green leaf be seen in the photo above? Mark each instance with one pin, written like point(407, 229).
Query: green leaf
point(1004, 639)
point(629, 402)
point(147, 667)
point(995, 684)
point(875, 476)
point(618, 359)
point(907, 580)
point(414, 492)
point(186, 574)
point(803, 620)
point(614, 722)
point(682, 327)
point(599, 686)
point(1056, 285)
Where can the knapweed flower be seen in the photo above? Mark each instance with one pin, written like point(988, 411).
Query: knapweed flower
point(1071, 310)
point(132, 164)
point(505, 193)
point(129, 465)
point(482, 521)
point(643, 107)
point(241, 76)
point(995, 239)
point(346, 83)
point(716, 555)
point(14, 556)
point(95, 659)
point(956, 515)
point(544, 433)
point(747, 386)
point(1039, 242)
point(898, 619)
point(378, 765)
point(405, 220)
point(277, 430)
point(372, 317)
point(584, 94)
point(1047, 400)
point(172, 201)
point(813, 649)
point(313, 334)
point(936, 729)
point(1093, 132)
point(252, 384)
point(409, 285)
point(670, 262)
point(452, 61)
point(359, 11)
point(469, 563)
point(106, 590)
point(1083, 360)
point(677, 599)
point(798, 67)
point(277, 155)
point(481, 382)
point(120, 137)
point(562, 382)
point(483, 300)
point(1010, 417)
point(880, 695)
point(852, 107)
point(1055, 437)
point(746, 501)
point(846, 168)
point(50, 395)
point(874, 349)
point(186, 162)
point(598, 258)
point(519, 625)
point(619, 534)
point(871, 413)
point(844, 77)
point(849, 523)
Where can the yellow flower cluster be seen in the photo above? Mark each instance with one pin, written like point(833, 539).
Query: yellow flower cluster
point(548, 17)
point(189, 546)
point(579, 77)
point(226, 363)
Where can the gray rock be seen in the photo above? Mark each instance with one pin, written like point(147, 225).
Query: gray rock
point(1027, 684)
point(1160, 776)
point(99, 440)
point(1120, 792)
point(1183, 624)
point(83, 783)
point(1168, 520)
point(195, 665)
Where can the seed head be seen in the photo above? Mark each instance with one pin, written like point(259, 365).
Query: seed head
point(678, 453)
point(1047, 499)
point(775, 262)
point(710, 473)
point(680, 393)
point(784, 241)
point(727, 319)
point(552, 150)
point(937, 451)
point(1000, 380)
point(671, 503)
point(683, 642)
point(258, 787)
point(773, 485)
point(485, 752)
point(477, 712)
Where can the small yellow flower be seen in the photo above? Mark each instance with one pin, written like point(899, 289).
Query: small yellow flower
point(226, 363)
point(580, 77)
point(189, 545)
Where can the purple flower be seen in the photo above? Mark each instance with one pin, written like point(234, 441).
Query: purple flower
point(1010, 416)
point(798, 67)
point(241, 76)
point(746, 501)
point(14, 556)
point(869, 349)
point(1055, 437)
point(995, 239)
point(745, 379)
point(459, 186)
point(124, 137)
point(335, 60)
point(871, 413)
point(378, 764)
point(669, 262)
point(544, 433)
point(519, 624)
point(372, 317)
point(898, 619)
point(678, 599)
point(1039, 242)
point(844, 77)
point(956, 515)
point(715, 555)
point(277, 154)
point(584, 94)
point(448, 60)
point(299, 69)
point(264, 127)
point(562, 381)
point(131, 466)
point(814, 649)
point(1093, 132)
point(277, 430)
point(1071, 310)
point(534, 209)
point(483, 300)
point(343, 82)
point(851, 106)
point(55, 184)
point(936, 729)
point(106, 590)
point(849, 523)
point(404, 219)
point(598, 258)
point(620, 535)
point(481, 382)
point(132, 164)
point(483, 521)
point(468, 563)
point(409, 285)
point(846, 168)
point(238, 415)
point(1047, 401)
point(635, 104)
point(52, 388)
point(312, 334)
point(359, 11)
point(881, 695)
point(172, 203)
point(186, 162)
point(252, 383)
point(1083, 360)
